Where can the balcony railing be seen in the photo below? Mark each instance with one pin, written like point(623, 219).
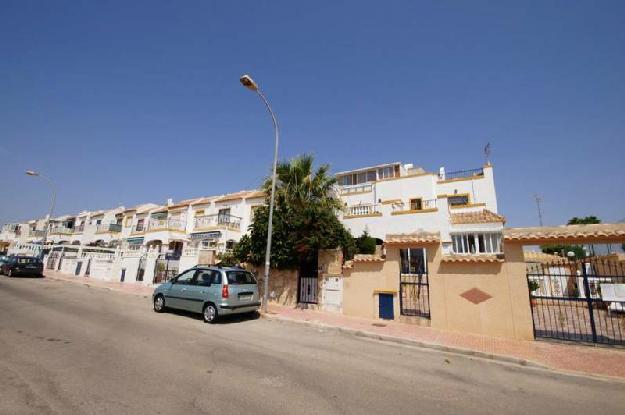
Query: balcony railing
point(217, 221)
point(108, 227)
point(462, 174)
point(362, 210)
point(166, 224)
point(60, 230)
point(426, 205)
point(79, 228)
point(359, 188)
point(37, 233)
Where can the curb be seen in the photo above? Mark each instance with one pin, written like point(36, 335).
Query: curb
point(409, 342)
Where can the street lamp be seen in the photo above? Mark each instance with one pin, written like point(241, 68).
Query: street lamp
point(249, 83)
point(52, 201)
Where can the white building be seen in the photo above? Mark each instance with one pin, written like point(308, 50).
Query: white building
point(149, 242)
point(398, 198)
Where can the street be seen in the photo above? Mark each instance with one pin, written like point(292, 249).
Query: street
point(67, 348)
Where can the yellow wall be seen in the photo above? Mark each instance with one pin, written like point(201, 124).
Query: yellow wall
point(506, 314)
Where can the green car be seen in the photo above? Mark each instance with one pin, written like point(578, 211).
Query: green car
point(212, 291)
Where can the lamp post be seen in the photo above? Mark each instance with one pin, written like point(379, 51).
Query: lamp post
point(249, 83)
point(52, 201)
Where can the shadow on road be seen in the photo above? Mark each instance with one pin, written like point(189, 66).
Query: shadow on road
point(229, 319)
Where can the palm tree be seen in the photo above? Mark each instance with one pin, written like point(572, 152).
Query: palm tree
point(298, 185)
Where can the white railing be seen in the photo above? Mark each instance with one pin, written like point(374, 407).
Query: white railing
point(108, 227)
point(359, 188)
point(217, 220)
point(60, 230)
point(166, 224)
point(362, 210)
point(422, 205)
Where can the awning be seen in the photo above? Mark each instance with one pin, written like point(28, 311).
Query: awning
point(135, 241)
point(205, 235)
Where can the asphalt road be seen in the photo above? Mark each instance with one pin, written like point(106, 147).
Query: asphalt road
point(67, 348)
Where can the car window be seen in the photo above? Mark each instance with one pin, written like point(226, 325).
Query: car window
point(186, 277)
point(216, 277)
point(204, 278)
point(240, 277)
point(26, 260)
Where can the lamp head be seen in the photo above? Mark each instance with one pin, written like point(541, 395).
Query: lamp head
point(32, 173)
point(248, 82)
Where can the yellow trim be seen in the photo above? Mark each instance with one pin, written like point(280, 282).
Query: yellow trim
point(199, 212)
point(408, 212)
point(369, 215)
point(391, 201)
point(214, 227)
point(460, 179)
point(384, 291)
point(470, 205)
point(408, 176)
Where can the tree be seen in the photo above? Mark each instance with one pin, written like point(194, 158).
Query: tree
point(365, 244)
point(587, 220)
point(577, 249)
point(305, 217)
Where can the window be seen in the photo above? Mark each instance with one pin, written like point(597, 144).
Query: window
point(459, 200)
point(358, 178)
point(386, 172)
point(230, 244)
point(216, 277)
point(186, 277)
point(415, 204)
point(240, 278)
point(477, 243)
point(412, 261)
point(223, 216)
point(204, 278)
point(140, 224)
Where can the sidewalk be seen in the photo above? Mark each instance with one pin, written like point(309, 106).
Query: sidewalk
point(575, 358)
point(129, 288)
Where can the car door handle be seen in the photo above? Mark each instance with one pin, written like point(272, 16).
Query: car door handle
point(184, 289)
point(203, 292)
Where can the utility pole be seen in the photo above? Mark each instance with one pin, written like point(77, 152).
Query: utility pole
point(539, 201)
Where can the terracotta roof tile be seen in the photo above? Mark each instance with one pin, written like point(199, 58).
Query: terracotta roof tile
point(415, 237)
point(367, 258)
point(482, 216)
point(556, 234)
point(541, 257)
point(471, 258)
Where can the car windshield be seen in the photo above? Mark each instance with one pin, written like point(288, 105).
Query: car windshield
point(240, 277)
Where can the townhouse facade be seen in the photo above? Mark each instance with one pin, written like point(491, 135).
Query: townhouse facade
point(149, 242)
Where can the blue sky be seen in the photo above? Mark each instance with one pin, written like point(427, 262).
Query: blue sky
point(126, 102)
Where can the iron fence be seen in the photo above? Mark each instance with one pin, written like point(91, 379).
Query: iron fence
point(461, 174)
point(580, 300)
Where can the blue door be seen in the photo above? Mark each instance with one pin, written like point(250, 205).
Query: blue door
point(386, 306)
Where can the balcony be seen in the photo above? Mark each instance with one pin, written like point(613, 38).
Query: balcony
point(361, 211)
point(138, 229)
point(108, 228)
point(79, 229)
point(416, 206)
point(461, 175)
point(60, 230)
point(165, 224)
point(217, 222)
point(37, 233)
point(357, 189)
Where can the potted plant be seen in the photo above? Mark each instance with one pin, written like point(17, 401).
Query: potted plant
point(533, 286)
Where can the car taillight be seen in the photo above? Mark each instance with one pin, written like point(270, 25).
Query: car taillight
point(224, 292)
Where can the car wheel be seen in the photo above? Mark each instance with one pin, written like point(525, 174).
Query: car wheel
point(209, 313)
point(159, 303)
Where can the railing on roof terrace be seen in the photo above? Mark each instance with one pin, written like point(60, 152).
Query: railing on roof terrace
point(461, 174)
point(359, 188)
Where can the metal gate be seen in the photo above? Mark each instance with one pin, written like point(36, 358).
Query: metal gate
point(414, 286)
point(165, 268)
point(580, 300)
point(308, 290)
